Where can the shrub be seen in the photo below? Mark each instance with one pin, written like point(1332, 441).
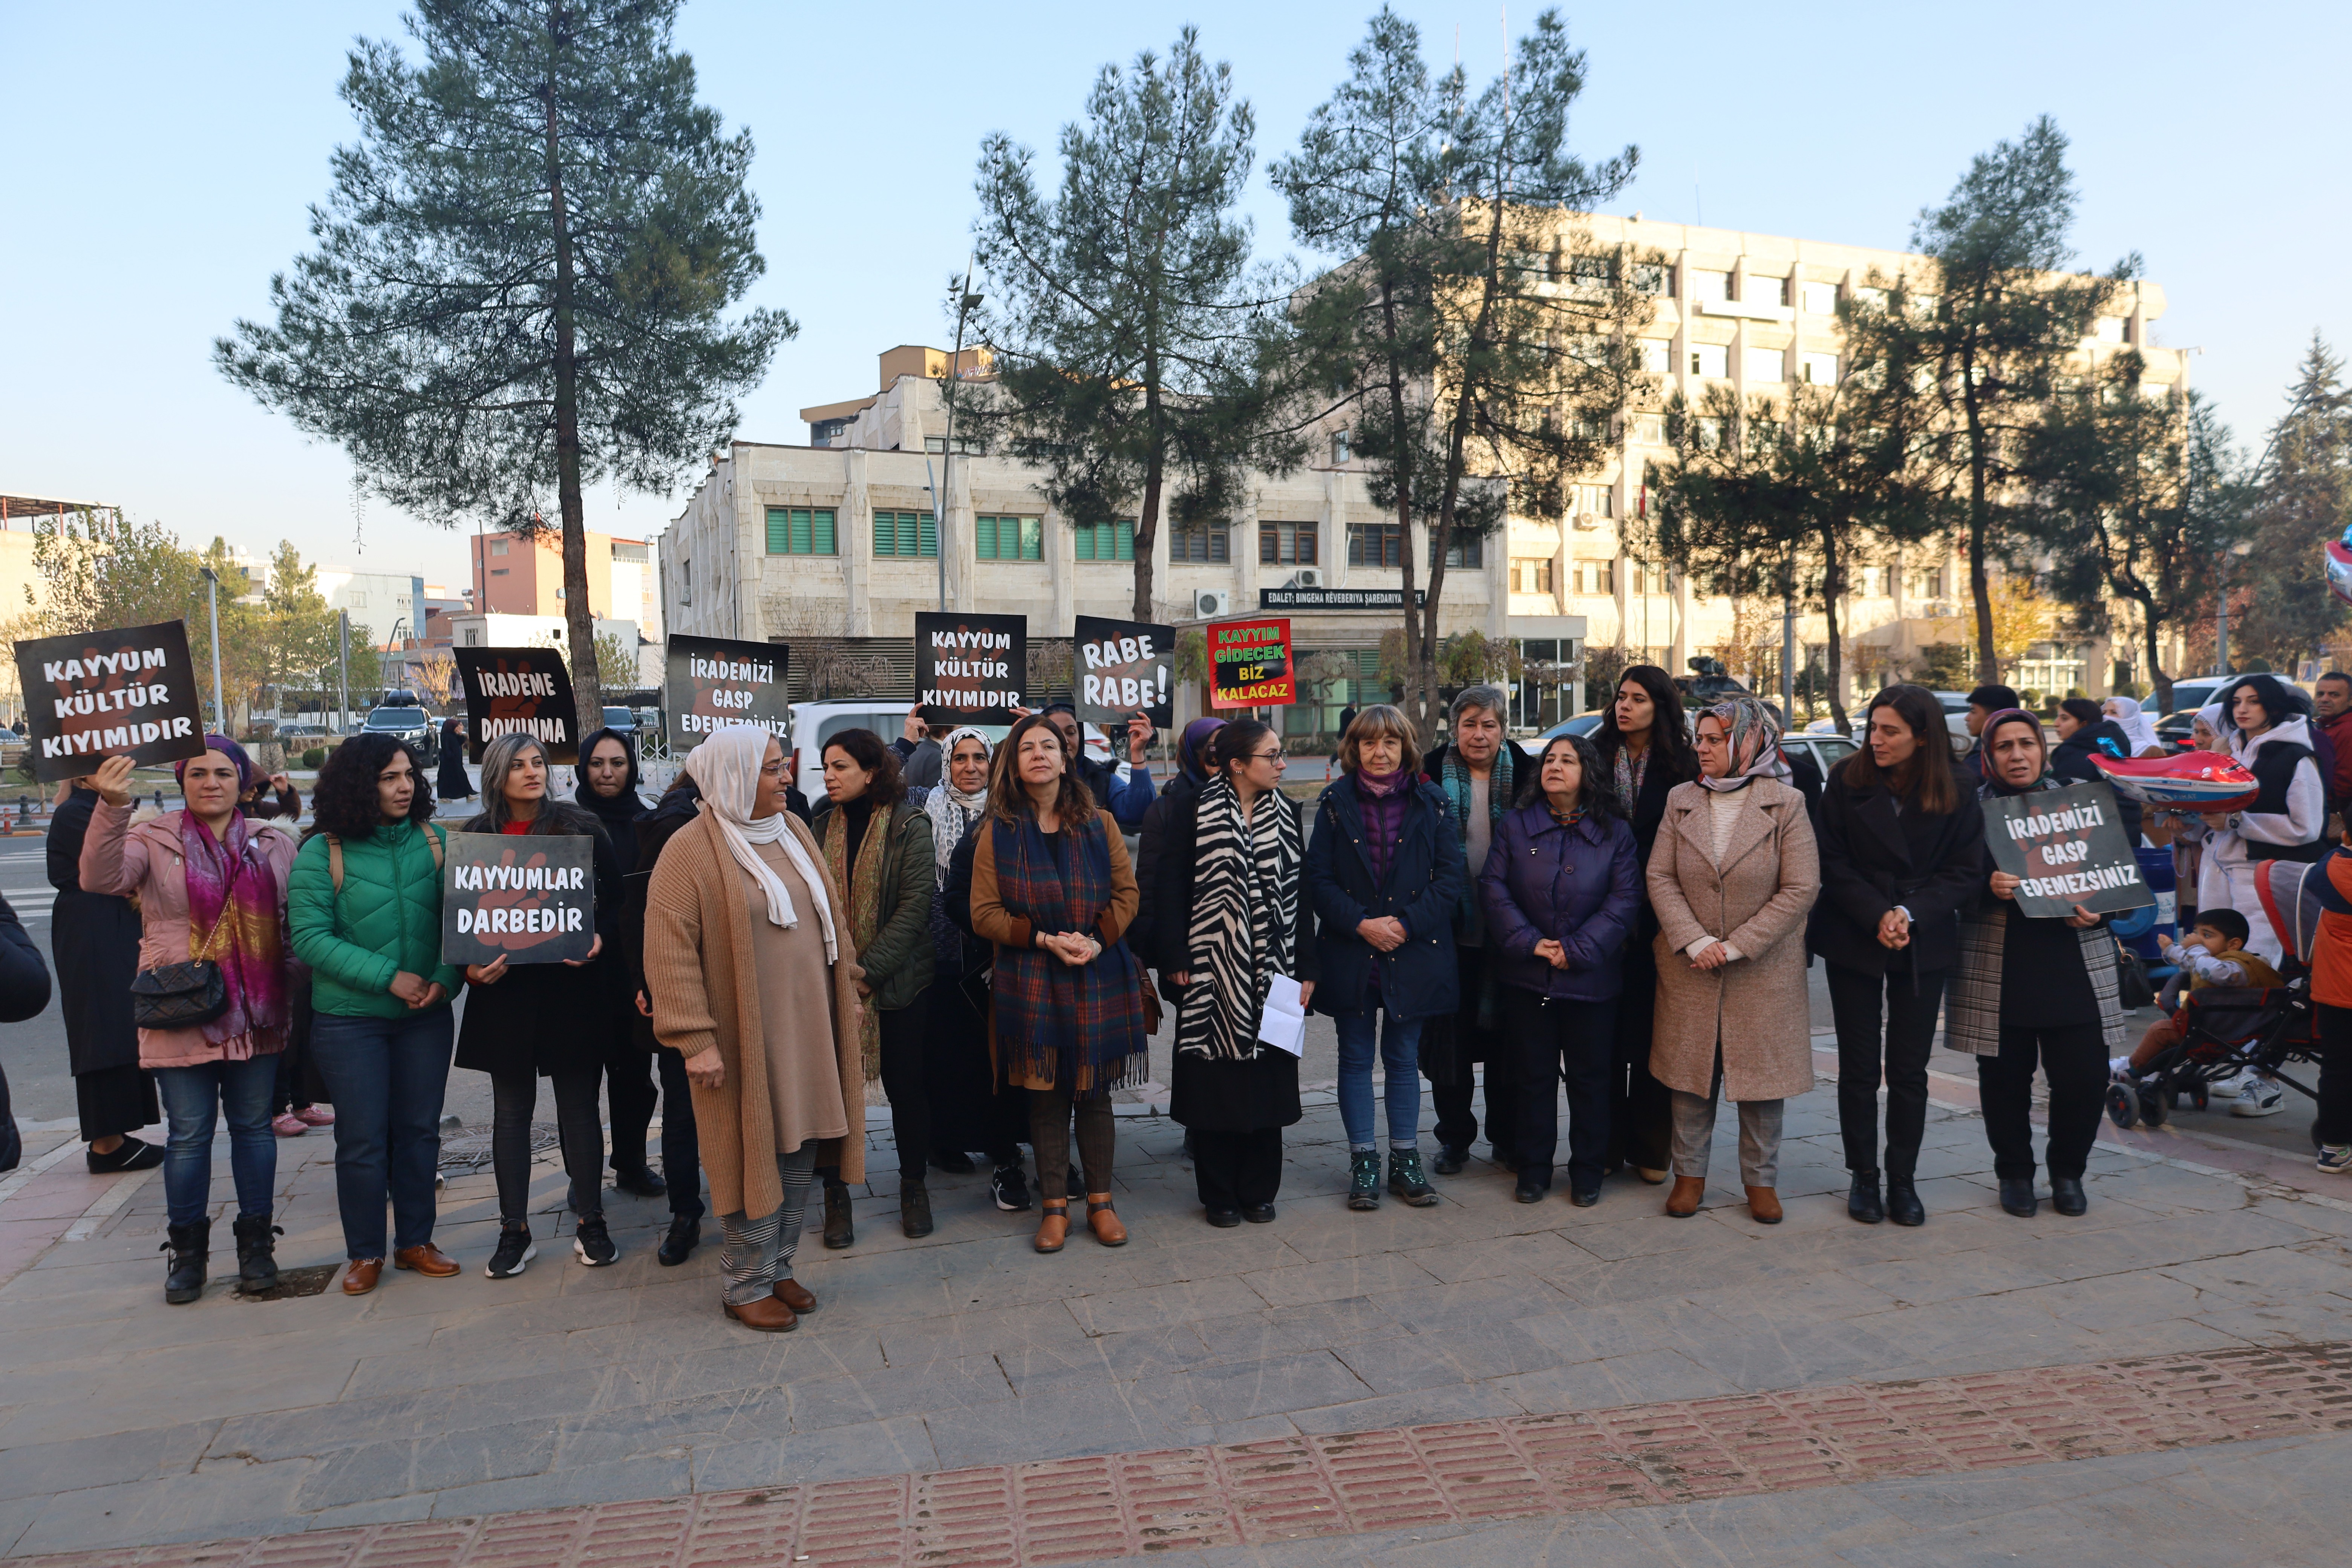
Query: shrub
point(315, 758)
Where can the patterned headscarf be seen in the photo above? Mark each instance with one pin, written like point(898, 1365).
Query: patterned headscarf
point(1755, 737)
point(236, 910)
point(245, 772)
point(951, 811)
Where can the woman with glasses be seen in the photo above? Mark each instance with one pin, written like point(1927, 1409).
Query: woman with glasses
point(1232, 918)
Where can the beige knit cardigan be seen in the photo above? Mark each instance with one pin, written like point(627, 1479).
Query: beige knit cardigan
point(703, 993)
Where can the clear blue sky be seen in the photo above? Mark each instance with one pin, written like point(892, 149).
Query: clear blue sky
point(159, 160)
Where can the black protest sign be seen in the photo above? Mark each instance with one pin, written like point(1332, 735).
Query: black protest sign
point(94, 695)
point(519, 691)
point(970, 669)
point(529, 897)
point(2069, 847)
point(716, 680)
point(1124, 665)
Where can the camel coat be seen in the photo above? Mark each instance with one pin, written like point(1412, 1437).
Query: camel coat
point(1756, 901)
point(698, 975)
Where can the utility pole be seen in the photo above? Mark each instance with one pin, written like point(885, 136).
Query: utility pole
point(211, 596)
point(965, 300)
point(342, 670)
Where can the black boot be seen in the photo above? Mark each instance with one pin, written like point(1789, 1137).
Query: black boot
point(914, 1210)
point(1903, 1205)
point(1861, 1200)
point(839, 1230)
point(189, 1246)
point(2067, 1195)
point(2017, 1196)
point(257, 1259)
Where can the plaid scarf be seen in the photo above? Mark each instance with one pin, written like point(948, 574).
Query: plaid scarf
point(235, 916)
point(1054, 1020)
point(864, 892)
point(1244, 913)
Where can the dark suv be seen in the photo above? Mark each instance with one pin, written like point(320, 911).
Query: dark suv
point(402, 714)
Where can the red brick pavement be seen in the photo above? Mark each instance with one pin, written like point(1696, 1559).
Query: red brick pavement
point(1075, 1511)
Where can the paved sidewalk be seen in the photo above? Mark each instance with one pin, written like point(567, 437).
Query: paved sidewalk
point(123, 1422)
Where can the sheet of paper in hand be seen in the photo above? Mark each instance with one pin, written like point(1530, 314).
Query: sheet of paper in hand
point(527, 897)
point(2070, 849)
point(715, 682)
point(970, 669)
point(95, 695)
point(1283, 1024)
point(1124, 665)
point(519, 691)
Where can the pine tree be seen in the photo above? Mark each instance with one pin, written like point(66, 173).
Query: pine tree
point(521, 275)
point(2301, 498)
point(1121, 319)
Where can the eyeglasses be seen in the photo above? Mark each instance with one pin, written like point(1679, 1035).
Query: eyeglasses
point(1274, 756)
point(771, 769)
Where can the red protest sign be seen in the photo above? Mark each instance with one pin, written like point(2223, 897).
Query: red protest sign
point(1250, 664)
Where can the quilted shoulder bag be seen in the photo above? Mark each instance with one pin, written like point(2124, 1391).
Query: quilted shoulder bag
point(182, 995)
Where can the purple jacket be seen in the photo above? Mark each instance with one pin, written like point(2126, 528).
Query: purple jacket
point(1579, 886)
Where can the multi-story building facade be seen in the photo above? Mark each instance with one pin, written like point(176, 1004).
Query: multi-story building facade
point(514, 574)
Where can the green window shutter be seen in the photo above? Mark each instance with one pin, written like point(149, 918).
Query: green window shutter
point(927, 534)
point(823, 542)
point(779, 531)
point(1125, 549)
point(1084, 534)
point(983, 537)
point(797, 533)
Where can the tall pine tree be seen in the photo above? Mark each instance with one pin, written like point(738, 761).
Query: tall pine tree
point(521, 275)
point(2302, 497)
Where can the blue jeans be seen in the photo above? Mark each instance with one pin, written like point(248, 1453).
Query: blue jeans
point(193, 1098)
point(1399, 1047)
point(384, 1078)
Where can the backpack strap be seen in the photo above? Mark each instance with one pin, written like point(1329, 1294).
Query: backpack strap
point(335, 862)
point(438, 840)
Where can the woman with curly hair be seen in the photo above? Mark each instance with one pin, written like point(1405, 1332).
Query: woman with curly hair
point(365, 905)
point(531, 1021)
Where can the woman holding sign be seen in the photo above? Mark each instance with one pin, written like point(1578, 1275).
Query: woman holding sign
point(753, 976)
point(2030, 989)
point(1050, 887)
point(529, 1021)
point(1233, 917)
point(211, 885)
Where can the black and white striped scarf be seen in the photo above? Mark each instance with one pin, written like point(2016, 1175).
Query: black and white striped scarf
point(1244, 910)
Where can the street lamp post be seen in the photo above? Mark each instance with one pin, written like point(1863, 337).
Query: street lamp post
point(965, 300)
point(2221, 607)
point(212, 596)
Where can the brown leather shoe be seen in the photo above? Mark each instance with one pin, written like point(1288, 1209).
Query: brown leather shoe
point(427, 1259)
point(360, 1277)
point(1103, 1220)
point(1053, 1225)
point(792, 1294)
point(767, 1315)
point(1684, 1200)
point(1764, 1205)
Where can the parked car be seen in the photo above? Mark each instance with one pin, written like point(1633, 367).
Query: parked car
point(402, 714)
point(304, 732)
point(1586, 724)
point(624, 720)
point(1827, 750)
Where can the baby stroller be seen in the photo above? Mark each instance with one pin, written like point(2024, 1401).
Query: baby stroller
point(2229, 1029)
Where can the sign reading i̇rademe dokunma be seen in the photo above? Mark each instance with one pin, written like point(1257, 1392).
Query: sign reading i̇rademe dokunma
point(970, 669)
point(717, 681)
point(2069, 849)
point(94, 695)
point(1249, 663)
point(519, 691)
point(529, 897)
point(1125, 668)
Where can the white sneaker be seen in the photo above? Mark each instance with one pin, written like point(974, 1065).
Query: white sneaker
point(2225, 1089)
point(2261, 1097)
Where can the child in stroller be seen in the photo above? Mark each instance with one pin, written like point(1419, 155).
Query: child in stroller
point(2214, 956)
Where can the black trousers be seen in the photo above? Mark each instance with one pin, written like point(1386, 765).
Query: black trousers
point(630, 1095)
point(579, 1133)
point(1451, 1075)
point(2334, 1125)
point(970, 1110)
point(2075, 1058)
point(1641, 1109)
point(1900, 1055)
point(904, 1080)
point(1551, 1041)
point(1237, 1169)
point(115, 1100)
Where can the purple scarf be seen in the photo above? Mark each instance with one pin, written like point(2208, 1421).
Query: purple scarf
point(1381, 798)
point(234, 918)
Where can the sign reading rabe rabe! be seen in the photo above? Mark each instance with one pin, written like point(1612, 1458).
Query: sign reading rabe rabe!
point(1123, 668)
point(94, 695)
point(529, 897)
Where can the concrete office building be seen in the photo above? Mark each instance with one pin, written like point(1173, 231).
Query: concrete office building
point(516, 576)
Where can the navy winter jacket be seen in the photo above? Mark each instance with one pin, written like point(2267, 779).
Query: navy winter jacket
point(1421, 979)
point(1580, 887)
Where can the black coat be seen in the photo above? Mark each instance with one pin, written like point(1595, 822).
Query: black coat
point(1420, 978)
point(1151, 870)
point(1645, 811)
point(1873, 857)
point(453, 783)
point(549, 1018)
point(647, 835)
point(24, 978)
point(96, 939)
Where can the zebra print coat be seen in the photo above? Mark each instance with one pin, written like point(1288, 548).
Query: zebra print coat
point(1236, 895)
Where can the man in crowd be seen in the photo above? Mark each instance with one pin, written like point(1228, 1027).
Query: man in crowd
point(2332, 695)
point(1983, 703)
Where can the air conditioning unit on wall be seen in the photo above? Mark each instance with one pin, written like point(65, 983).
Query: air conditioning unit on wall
point(1586, 522)
point(1211, 603)
point(1307, 577)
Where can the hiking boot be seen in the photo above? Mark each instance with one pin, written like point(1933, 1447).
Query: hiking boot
point(256, 1261)
point(1364, 1180)
point(1406, 1181)
point(839, 1232)
point(515, 1249)
point(189, 1247)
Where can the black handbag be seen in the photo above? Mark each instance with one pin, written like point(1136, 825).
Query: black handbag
point(2131, 979)
point(178, 995)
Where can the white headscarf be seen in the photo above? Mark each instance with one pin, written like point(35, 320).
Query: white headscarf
point(2211, 717)
point(2139, 729)
point(953, 811)
point(726, 767)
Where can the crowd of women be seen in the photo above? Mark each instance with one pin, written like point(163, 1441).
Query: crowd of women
point(1622, 923)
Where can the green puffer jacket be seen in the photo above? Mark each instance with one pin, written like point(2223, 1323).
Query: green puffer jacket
point(386, 919)
point(899, 959)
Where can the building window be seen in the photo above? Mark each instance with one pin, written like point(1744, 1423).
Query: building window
point(498, 571)
point(1755, 290)
point(498, 547)
point(1105, 541)
point(1592, 272)
point(1876, 299)
point(1531, 574)
point(1599, 500)
point(1653, 278)
point(1374, 544)
point(1286, 543)
point(358, 600)
point(963, 444)
point(799, 531)
point(1820, 299)
point(685, 582)
point(1923, 585)
point(1207, 542)
point(1338, 449)
point(1461, 552)
point(1650, 579)
point(1710, 359)
point(1706, 285)
point(1657, 356)
point(2110, 330)
point(1598, 578)
point(1649, 429)
point(1711, 433)
point(1819, 370)
point(905, 533)
point(1765, 364)
point(1008, 538)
